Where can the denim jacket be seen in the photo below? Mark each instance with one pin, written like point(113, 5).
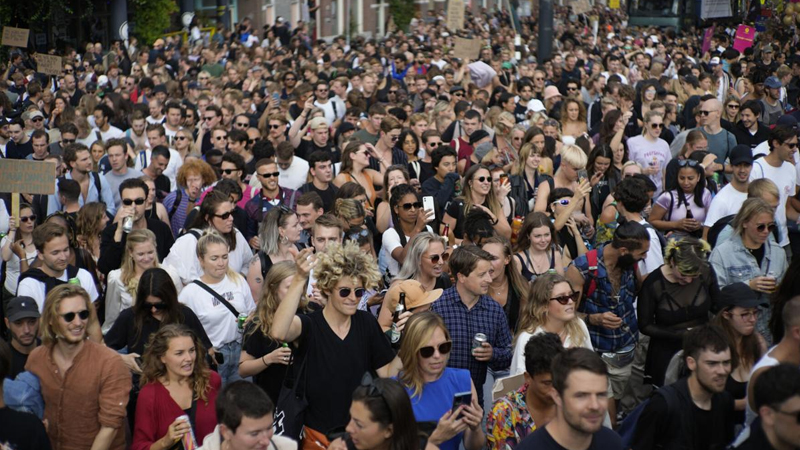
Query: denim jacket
point(24, 394)
point(733, 262)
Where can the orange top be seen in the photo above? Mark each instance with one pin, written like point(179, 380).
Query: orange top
point(370, 187)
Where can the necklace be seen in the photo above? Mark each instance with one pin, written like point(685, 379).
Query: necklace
point(499, 289)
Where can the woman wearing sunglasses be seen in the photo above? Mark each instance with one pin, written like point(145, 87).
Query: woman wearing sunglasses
point(649, 150)
point(184, 142)
point(730, 109)
point(751, 256)
point(550, 307)
point(215, 215)
point(409, 219)
point(278, 238)
point(478, 192)
point(537, 250)
point(682, 211)
point(355, 168)
point(432, 385)
point(674, 299)
point(339, 342)
point(562, 206)
point(18, 250)
point(156, 305)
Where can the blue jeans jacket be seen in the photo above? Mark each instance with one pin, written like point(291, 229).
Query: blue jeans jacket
point(24, 394)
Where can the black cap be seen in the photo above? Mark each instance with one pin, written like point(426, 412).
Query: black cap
point(738, 294)
point(456, 88)
point(22, 308)
point(160, 88)
point(741, 154)
point(477, 135)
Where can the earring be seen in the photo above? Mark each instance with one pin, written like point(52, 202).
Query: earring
point(284, 240)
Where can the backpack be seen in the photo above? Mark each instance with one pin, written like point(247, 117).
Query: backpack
point(49, 282)
point(178, 198)
point(627, 430)
point(591, 261)
point(661, 238)
point(717, 228)
point(97, 185)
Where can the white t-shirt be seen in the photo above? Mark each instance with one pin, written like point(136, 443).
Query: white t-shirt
point(218, 321)
point(35, 289)
point(295, 176)
point(391, 241)
point(649, 154)
point(153, 121)
point(654, 258)
point(785, 177)
point(331, 113)
point(112, 133)
point(727, 201)
point(171, 172)
point(621, 77)
point(518, 359)
point(118, 298)
point(183, 257)
point(12, 265)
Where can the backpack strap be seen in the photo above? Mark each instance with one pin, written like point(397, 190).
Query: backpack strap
point(97, 186)
point(218, 297)
point(591, 260)
point(143, 158)
point(176, 203)
point(262, 257)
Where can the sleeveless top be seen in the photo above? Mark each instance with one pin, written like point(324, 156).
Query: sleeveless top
point(530, 275)
point(437, 398)
point(370, 187)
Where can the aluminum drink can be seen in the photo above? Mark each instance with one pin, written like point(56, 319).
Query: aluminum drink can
point(127, 224)
point(241, 320)
point(188, 439)
point(478, 340)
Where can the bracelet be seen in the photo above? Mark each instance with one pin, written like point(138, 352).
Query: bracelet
point(587, 319)
point(265, 363)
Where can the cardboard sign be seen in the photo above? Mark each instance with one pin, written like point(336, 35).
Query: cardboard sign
point(28, 177)
point(467, 48)
point(455, 15)
point(49, 64)
point(15, 37)
point(581, 6)
point(744, 37)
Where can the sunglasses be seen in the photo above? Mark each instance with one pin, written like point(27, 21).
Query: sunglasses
point(130, 201)
point(209, 118)
point(763, 226)
point(345, 292)
point(70, 316)
point(289, 79)
point(572, 89)
point(656, 126)
point(444, 348)
point(68, 141)
point(704, 113)
point(269, 174)
point(562, 202)
point(219, 138)
point(687, 162)
point(395, 138)
point(68, 71)
point(356, 236)
point(482, 179)
point(31, 218)
point(160, 306)
point(791, 144)
point(458, 94)
point(224, 216)
point(434, 144)
point(229, 171)
point(436, 258)
point(565, 299)
point(274, 127)
point(732, 106)
point(408, 206)
point(37, 119)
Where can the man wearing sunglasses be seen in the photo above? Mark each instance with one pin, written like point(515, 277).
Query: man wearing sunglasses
point(720, 140)
point(209, 120)
point(117, 153)
point(271, 195)
point(385, 153)
point(777, 399)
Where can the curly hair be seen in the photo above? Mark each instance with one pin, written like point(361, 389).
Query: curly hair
point(339, 261)
point(158, 345)
point(194, 166)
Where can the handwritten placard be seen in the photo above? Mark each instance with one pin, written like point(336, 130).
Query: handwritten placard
point(467, 48)
point(15, 37)
point(581, 6)
point(49, 64)
point(455, 15)
point(28, 177)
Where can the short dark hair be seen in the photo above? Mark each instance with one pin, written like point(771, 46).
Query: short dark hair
point(70, 189)
point(173, 105)
point(117, 143)
point(540, 350)
point(238, 161)
point(781, 133)
point(465, 258)
point(69, 127)
point(242, 399)
point(285, 150)
point(311, 198)
point(630, 235)
point(134, 183)
point(229, 187)
point(318, 156)
point(440, 152)
point(752, 105)
point(107, 112)
point(473, 114)
point(632, 194)
point(478, 225)
point(573, 359)
point(704, 337)
point(776, 385)
point(237, 135)
point(160, 150)
point(38, 134)
point(71, 152)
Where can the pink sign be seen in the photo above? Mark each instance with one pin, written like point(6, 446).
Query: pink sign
point(707, 39)
point(744, 37)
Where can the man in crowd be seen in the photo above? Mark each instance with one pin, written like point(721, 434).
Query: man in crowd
point(22, 322)
point(371, 127)
point(442, 186)
point(730, 198)
point(309, 207)
point(20, 430)
point(94, 186)
point(777, 399)
point(321, 171)
point(270, 196)
point(39, 145)
point(750, 130)
point(102, 118)
point(293, 170)
point(116, 149)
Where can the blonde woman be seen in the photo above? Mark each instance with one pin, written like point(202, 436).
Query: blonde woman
point(549, 308)
point(140, 255)
point(529, 187)
point(573, 118)
point(184, 144)
point(478, 193)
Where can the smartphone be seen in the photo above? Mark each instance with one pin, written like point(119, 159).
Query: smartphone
point(462, 398)
point(503, 178)
point(427, 203)
point(276, 96)
point(220, 360)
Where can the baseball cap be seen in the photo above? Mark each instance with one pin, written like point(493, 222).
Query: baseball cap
point(477, 135)
point(772, 83)
point(741, 154)
point(35, 114)
point(21, 308)
point(714, 61)
point(767, 49)
point(318, 122)
point(416, 295)
point(787, 120)
point(160, 88)
point(738, 294)
point(194, 85)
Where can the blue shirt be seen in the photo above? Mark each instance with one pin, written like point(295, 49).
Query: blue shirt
point(486, 317)
point(603, 300)
point(106, 196)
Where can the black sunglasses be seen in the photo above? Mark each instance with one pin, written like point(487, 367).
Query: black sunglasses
point(345, 292)
point(791, 144)
point(129, 201)
point(70, 316)
point(656, 126)
point(160, 306)
point(245, 125)
point(68, 141)
point(229, 171)
point(269, 174)
point(764, 226)
point(482, 179)
point(444, 348)
point(704, 113)
point(181, 138)
point(565, 299)
point(408, 206)
point(274, 127)
point(224, 216)
point(37, 119)
point(31, 218)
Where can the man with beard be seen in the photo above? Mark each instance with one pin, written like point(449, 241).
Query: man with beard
point(85, 385)
point(22, 321)
point(271, 195)
point(579, 390)
point(772, 106)
point(750, 131)
point(133, 195)
point(607, 279)
point(94, 186)
point(694, 413)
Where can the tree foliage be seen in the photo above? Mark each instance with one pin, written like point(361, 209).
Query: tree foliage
point(402, 12)
point(152, 18)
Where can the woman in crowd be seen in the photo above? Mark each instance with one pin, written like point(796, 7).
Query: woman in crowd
point(602, 176)
point(175, 380)
point(409, 219)
point(394, 176)
point(537, 249)
point(674, 299)
point(193, 176)
point(649, 150)
point(562, 206)
point(351, 211)
point(550, 307)
point(573, 118)
point(97, 150)
point(408, 144)
point(18, 250)
point(279, 235)
point(536, 136)
point(612, 133)
point(695, 142)
point(477, 193)
point(682, 211)
point(91, 221)
point(184, 142)
point(502, 137)
point(355, 167)
point(431, 385)
point(339, 343)
point(648, 92)
point(152, 207)
point(219, 282)
point(529, 187)
point(737, 316)
point(730, 109)
point(215, 215)
point(140, 255)
point(264, 358)
point(571, 174)
point(508, 287)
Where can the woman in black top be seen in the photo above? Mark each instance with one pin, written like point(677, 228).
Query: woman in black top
point(508, 287)
point(675, 298)
point(563, 202)
point(537, 247)
point(601, 176)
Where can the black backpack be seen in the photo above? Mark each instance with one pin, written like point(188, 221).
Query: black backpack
point(97, 185)
point(49, 282)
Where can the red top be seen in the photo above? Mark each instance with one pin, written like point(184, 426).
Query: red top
point(156, 410)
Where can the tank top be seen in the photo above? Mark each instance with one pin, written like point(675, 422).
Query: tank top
point(370, 187)
point(529, 274)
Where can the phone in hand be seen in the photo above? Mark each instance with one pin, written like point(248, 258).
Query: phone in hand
point(427, 204)
point(462, 398)
point(219, 358)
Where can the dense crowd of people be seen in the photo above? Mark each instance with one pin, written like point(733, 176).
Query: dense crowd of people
point(275, 242)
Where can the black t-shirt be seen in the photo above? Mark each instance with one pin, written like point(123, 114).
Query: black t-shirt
point(19, 151)
point(327, 195)
point(307, 147)
point(425, 170)
point(123, 333)
point(257, 345)
point(335, 366)
point(18, 361)
point(22, 431)
point(541, 439)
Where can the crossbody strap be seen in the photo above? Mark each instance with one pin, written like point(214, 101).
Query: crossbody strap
point(218, 297)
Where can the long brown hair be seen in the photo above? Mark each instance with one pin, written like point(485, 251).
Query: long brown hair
point(265, 310)
point(748, 351)
point(157, 346)
point(418, 332)
point(155, 282)
point(491, 199)
point(534, 312)
point(534, 220)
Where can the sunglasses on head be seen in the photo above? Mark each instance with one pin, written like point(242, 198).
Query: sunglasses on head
point(31, 218)
point(269, 174)
point(444, 348)
point(224, 216)
point(687, 162)
point(565, 299)
point(229, 171)
point(763, 226)
point(160, 306)
point(129, 201)
point(408, 206)
point(345, 292)
point(70, 316)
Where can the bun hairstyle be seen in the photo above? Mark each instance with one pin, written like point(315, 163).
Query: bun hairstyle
point(689, 255)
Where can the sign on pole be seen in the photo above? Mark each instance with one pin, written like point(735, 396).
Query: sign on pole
point(455, 15)
point(15, 37)
point(49, 64)
point(29, 177)
point(467, 48)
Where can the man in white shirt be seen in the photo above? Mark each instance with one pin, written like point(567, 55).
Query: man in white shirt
point(332, 111)
point(173, 123)
point(730, 198)
point(102, 115)
point(293, 170)
point(156, 135)
point(615, 68)
point(156, 116)
point(52, 244)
